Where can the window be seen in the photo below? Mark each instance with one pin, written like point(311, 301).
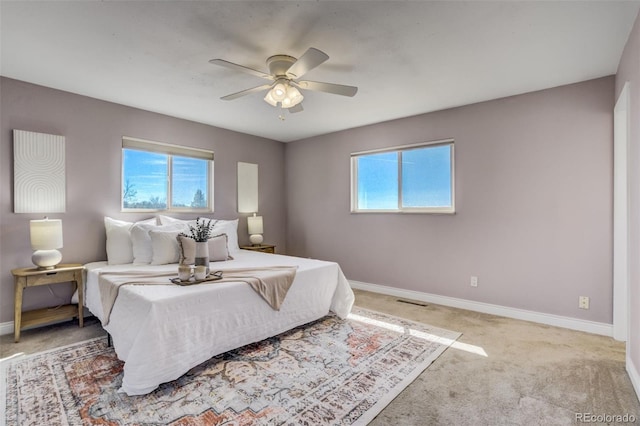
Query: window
point(158, 176)
point(413, 179)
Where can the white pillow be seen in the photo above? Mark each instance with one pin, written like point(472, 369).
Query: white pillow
point(167, 220)
point(165, 246)
point(229, 227)
point(119, 247)
point(219, 248)
point(141, 241)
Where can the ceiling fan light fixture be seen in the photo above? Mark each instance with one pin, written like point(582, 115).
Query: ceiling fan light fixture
point(284, 94)
point(269, 99)
point(294, 97)
point(284, 79)
point(279, 91)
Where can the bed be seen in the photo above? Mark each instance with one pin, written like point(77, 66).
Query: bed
point(162, 331)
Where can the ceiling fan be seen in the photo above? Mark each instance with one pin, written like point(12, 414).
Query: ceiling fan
point(284, 74)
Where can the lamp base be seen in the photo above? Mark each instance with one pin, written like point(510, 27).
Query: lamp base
point(256, 239)
point(46, 259)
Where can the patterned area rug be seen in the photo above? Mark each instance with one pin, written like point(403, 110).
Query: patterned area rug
point(324, 373)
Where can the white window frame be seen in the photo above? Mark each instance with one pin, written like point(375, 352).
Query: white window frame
point(399, 150)
point(170, 150)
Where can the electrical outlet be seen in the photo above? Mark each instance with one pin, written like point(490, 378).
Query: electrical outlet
point(474, 281)
point(583, 302)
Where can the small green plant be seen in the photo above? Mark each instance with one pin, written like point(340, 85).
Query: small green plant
point(202, 231)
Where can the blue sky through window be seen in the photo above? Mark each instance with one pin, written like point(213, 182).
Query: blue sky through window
point(145, 180)
point(378, 181)
point(426, 180)
point(426, 177)
point(189, 175)
point(145, 176)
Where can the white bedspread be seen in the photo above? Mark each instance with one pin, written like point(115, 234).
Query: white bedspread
point(161, 332)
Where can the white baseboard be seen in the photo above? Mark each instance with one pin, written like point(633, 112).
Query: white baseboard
point(487, 308)
point(6, 328)
point(634, 376)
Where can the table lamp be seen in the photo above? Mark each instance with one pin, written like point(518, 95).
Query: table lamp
point(255, 229)
point(46, 238)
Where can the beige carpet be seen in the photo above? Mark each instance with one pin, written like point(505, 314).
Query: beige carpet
point(500, 372)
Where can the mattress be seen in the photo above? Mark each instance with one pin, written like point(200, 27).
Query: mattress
point(160, 332)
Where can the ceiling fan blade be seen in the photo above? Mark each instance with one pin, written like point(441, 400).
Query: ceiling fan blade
point(336, 89)
point(296, 108)
point(308, 61)
point(241, 68)
point(245, 92)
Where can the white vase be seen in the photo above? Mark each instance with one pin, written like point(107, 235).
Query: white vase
point(202, 254)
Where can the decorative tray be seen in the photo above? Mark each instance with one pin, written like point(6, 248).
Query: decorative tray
point(214, 276)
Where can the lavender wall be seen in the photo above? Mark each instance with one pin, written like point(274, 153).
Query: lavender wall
point(629, 71)
point(93, 131)
point(533, 189)
point(533, 199)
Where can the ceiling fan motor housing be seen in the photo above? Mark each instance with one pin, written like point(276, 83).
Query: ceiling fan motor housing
point(279, 64)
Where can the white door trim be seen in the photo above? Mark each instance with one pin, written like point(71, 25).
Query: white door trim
point(621, 216)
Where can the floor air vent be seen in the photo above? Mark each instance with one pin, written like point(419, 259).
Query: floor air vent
point(412, 302)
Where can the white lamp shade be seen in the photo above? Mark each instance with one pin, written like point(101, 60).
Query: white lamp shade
point(46, 234)
point(278, 92)
point(269, 99)
point(294, 97)
point(255, 225)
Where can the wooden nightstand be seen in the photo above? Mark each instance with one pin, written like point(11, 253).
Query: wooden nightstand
point(264, 248)
point(32, 277)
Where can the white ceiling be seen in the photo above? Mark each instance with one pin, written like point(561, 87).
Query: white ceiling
point(406, 58)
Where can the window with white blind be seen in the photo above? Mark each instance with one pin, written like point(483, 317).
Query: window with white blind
point(415, 178)
point(163, 177)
